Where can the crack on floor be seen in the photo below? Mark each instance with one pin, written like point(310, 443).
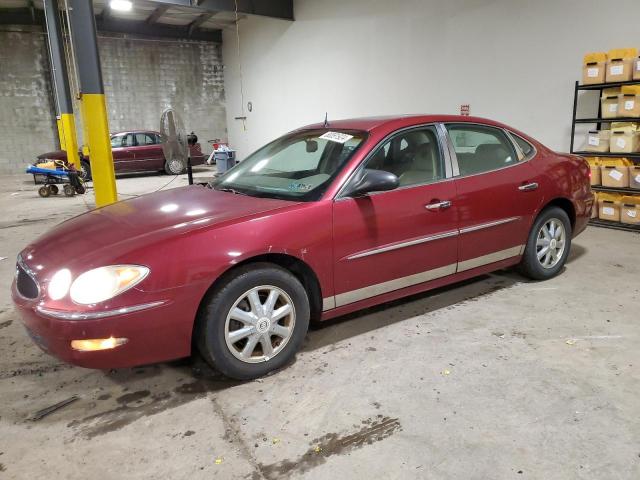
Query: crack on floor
point(373, 430)
point(233, 435)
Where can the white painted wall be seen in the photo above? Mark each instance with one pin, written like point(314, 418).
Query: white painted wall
point(512, 60)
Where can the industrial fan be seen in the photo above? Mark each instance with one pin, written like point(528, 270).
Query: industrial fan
point(176, 143)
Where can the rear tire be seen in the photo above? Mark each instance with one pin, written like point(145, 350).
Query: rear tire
point(69, 191)
point(174, 167)
point(44, 191)
point(254, 323)
point(54, 189)
point(85, 170)
point(548, 245)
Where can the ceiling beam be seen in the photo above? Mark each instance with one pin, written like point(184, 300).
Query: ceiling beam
point(22, 16)
point(268, 8)
point(156, 14)
point(193, 26)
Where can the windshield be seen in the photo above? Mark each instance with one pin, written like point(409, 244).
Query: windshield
point(297, 166)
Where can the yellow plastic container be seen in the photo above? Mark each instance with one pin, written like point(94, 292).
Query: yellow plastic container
point(625, 126)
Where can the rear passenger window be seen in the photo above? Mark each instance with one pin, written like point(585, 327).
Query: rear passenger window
point(481, 149)
point(413, 156)
point(526, 147)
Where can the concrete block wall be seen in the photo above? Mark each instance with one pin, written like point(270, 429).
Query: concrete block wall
point(141, 78)
point(27, 118)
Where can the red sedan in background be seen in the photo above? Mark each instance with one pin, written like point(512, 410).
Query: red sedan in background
point(136, 151)
point(321, 222)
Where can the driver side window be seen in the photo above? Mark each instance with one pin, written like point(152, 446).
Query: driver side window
point(414, 156)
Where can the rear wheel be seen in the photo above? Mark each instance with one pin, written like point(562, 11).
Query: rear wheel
point(255, 323)
point(44, 191)
point(69, 191)
point(548, 245)
point(174, 166)
point(54, 189)
point(85, 170)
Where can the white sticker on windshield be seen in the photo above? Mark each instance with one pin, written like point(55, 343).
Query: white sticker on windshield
point(336, 137)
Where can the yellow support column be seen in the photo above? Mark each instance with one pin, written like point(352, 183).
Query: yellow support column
point(70, 142)
point(94, 108)
point(60, 132)
point(94, 115)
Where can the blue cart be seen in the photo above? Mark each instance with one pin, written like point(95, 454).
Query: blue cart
point(72, 183)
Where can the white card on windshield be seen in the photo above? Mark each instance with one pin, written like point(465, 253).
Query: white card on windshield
point(336, 137)
point(615, 174)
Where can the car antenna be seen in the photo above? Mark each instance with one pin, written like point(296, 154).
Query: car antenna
point(326, 120)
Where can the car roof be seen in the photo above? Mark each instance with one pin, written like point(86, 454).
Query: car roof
point(122, 132)
point(393, 122)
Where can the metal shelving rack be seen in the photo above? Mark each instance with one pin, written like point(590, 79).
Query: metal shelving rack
point(635, 157)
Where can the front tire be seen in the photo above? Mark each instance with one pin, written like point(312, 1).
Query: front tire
point(548, 245)
point(254, 323)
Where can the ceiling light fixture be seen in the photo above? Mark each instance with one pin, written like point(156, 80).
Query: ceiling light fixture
point(121, 5)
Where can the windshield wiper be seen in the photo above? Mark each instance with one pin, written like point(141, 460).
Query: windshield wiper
point(231, 190)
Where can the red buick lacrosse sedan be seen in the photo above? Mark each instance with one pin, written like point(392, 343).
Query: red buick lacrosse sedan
point(323, 221)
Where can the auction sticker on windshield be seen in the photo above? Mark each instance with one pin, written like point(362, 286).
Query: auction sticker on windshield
point(336, 137)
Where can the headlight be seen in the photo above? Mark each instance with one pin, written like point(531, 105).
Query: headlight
point(59, 284)
point(103, 283)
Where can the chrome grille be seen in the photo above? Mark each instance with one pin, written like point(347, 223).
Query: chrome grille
point(26, 284)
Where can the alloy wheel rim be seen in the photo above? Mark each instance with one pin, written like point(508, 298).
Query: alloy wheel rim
point(175, 166)
point(550, 243)
point(260, 324)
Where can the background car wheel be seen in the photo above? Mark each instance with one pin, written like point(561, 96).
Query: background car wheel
point(254, 323)
point(69, 191)
point(548, 245)
point(174, 166)
point(44, 191)
point(85, 170)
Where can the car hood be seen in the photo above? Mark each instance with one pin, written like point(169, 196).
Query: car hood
point(55, 155)
point(110, 232)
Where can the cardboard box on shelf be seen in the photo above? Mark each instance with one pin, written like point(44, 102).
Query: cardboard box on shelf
point(620, 64)
point(595, 207)
point(609, 106)
point(624, 142)
point(636, 69)
point(615, 177)
point(597, 141)
point(630, 210)
point(596, 176)
point(609, 210)
point(634, 177)
point(628, 105)
point(594, 66)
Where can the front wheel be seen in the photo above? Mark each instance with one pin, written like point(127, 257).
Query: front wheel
point(548, 245)
point(254, 323)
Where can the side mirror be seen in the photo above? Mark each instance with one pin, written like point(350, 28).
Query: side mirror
point(369, 180)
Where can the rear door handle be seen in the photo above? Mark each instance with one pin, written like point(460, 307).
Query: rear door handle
point(528, 187)
point(438, 205)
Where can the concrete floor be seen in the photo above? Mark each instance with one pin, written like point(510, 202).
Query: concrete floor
point(494, 378)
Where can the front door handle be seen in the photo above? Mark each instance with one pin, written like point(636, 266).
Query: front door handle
point(528, 187)
point(438, 205)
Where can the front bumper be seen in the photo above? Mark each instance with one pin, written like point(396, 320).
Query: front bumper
point(157, 331)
